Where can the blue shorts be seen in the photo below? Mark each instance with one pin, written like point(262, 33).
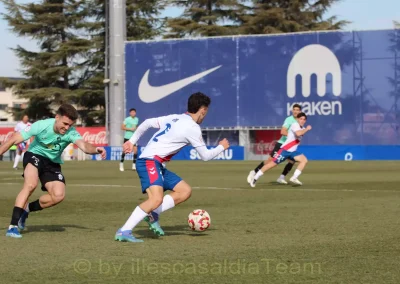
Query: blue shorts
point(22, 146)
point(283, 155)
point(152, 172)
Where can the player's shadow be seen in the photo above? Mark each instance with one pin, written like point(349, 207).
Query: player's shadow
point(284, 185)
point(52, 228)
point(177, 230)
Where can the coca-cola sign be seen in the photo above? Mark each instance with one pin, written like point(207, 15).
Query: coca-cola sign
point(5, 133)
point(265, 141)
point(94, 135)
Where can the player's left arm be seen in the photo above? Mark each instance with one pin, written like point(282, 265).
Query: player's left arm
point(299, 131)
point(86, 147)
point(135, 125)
point(195, 138)
point(90, 148)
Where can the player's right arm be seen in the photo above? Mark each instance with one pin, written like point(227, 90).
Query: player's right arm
point(146, 125)
point(123, 126)
point(285, 127)
point(19, 137)
point(195, 138)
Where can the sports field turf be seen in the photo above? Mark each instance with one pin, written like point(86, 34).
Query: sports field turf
point(341, 226)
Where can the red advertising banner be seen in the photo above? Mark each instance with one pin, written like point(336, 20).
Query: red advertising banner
point(265, 141)
point(93, 135)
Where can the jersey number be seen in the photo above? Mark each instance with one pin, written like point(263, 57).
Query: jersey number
point(167, 128)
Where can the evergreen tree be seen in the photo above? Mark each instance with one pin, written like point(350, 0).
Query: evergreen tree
point(205, 18)
point(55, 73)
point(283, 16)
point(69, 65)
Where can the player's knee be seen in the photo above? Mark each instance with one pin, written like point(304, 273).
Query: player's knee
point(157, 201)
point(304, 160)
point(30, 186)
point(57, 197)
point(186, 193)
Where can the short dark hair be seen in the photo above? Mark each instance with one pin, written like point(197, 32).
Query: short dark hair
point(68, 111)
point(296, 105)
point(132, 109)
point(196, 101)
point(301, 114)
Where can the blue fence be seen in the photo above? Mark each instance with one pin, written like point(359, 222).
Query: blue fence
point(236, 153)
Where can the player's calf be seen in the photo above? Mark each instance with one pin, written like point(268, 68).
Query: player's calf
point(302, 160)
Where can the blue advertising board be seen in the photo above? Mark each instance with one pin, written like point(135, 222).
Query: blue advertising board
point(347, 82)
point(234, 153)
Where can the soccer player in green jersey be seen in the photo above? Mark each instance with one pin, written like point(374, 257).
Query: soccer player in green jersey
point(296, 109)
point(43, 162)
point(130, 124)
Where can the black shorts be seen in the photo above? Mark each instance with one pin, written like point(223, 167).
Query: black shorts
point(275, 150)
point(48, 171)
point(128, 140)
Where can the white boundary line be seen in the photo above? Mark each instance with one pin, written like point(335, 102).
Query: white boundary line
point(281, 188)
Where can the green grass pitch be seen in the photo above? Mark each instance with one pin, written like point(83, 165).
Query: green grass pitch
point(341, 226)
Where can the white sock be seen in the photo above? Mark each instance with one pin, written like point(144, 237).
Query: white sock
point(27, 207)
point(11, 226)
point(168, 203)
point(258, 175)
point(297, 173)
point(282, 177)
point(17, 157)
point(136, 217)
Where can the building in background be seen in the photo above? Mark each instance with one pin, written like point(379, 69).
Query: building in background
point(8, 102)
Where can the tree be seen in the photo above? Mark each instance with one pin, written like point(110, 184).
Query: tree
point(56, 73)
point(69, 65)
point(205, 18)
point(282, 16)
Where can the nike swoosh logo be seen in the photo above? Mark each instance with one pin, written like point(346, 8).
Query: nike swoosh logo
point(151, 94)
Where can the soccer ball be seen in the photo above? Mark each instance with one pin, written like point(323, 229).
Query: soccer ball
point(199, 220)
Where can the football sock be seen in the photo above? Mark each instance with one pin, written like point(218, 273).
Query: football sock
point(168, 203)
point(287, 169)
point(136, 217)
point(16, 215)
point(258, 175)
point(259, 167)
point(17, 157)
point(34, 206)
point(297, 173)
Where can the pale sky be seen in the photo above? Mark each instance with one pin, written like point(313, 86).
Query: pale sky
point(364, 15)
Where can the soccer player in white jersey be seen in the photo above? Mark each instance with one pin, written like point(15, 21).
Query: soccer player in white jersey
point(175, 132)
point(21, 147)
point(289, 151)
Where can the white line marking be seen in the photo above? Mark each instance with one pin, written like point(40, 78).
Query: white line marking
point(282, 188)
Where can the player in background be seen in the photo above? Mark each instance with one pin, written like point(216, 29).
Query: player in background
point(289, 151)
point(130, 124)
point(43, 162)
point(23, 146)
point(175, 132)
point(296, 109)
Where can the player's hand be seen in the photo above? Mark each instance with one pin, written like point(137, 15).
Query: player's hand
point(308, 127)
point(102, 152)
point(225, 143)
point(127, 147)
